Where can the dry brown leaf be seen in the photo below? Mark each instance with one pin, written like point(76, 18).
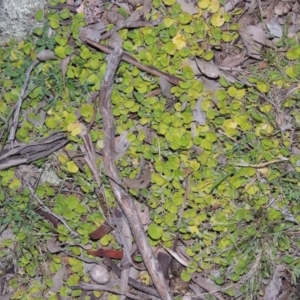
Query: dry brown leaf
point(64, 65)
point(272, 290)
point(146, 7)
point(199, 115)
point(233, 61)
point(135, 16)
point(58, 280)
point(80, 9)
point(121, 144)
point(250, 6)
point(253, 38)
point(54, 246)
point(165, 87)
point(230, 5)
point(193, 65)
point(208, 68)
point(188, 7)
point(141, 182)
point(101, 231)
point(207, 285)
point(93, 33)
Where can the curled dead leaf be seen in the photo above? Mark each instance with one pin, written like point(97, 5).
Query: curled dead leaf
point(58, 279)
point(208, 68)
point(253, 38)
point(141, 182)
point(54, 246)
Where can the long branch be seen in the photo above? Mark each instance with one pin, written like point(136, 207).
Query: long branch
point(131, 60)
point(123, 198)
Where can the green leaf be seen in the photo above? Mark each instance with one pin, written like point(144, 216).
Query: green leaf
point(73, 279)
point(169, 48)
point(185, 276)
point(62, 41)
point(38, 31)
point(172, 31)
point(208, 55)
point(87, 111)
point(128, 46)
point(169, 2)
point(219, 280)
point(187, 72)
point(60, 51)
point(54, 23)
point(65, 14)
point(274, 214)
point(39, 15)
point(184, 18)
point(263, 86)
point(275, 75)
point(155, 231)
point(292, 71)
point(292, 54)
point(71, 167)
point(85, 53)
point(288, 259)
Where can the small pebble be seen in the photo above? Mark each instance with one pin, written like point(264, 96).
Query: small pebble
point(100, 274)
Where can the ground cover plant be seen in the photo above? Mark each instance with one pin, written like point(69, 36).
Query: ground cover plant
point(206, 115)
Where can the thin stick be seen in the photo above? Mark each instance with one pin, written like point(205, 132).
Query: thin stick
point(124, 200)
point(98, 287)
point(126, 57)
point(15, 121)
point(46, 209)
point(261, 165)
point(126, 24)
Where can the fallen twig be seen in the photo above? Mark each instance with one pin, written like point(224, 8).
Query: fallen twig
point(98, 287)
point(211, 287)
point(126, 57)
point(15, 120)
point(261, 165)
point(124, 200)
point(126, 24)
point(46, 209)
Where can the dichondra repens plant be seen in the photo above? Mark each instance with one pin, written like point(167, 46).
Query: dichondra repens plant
point(227, 185)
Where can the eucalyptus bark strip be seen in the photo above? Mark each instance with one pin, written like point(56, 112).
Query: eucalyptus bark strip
point(123, 199)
